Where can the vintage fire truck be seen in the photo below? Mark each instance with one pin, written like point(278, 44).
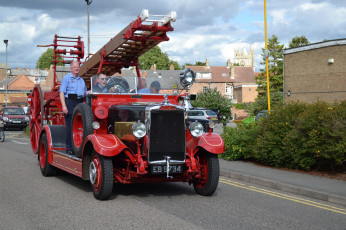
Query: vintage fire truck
point(125, 136)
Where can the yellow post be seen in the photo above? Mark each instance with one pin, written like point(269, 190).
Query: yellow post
point(266, 48)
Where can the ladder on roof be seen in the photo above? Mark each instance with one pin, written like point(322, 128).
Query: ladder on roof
point(124, 49)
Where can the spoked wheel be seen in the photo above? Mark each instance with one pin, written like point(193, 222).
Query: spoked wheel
point(82, 120)
point(2, 135)
point(210, 170)
point(101, 176)
point(36, 117)
point(46, 168)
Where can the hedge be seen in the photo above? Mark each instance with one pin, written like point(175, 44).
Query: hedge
point(296, 136)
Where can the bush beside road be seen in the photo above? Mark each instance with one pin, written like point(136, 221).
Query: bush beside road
point(295, 136)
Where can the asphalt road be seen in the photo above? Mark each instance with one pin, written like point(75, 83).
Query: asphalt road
point(30, 201)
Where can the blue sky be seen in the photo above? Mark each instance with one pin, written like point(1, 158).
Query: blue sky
point(203, 29)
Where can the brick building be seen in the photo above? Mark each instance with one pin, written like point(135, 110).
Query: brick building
point(316, 72)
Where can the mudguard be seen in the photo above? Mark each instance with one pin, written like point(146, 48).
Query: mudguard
point(211, 142)
point(55, 141)
point(106, 144)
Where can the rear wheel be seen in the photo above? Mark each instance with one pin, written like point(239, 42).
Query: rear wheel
point(101, 176)
point(46, 168)
point(210, 171)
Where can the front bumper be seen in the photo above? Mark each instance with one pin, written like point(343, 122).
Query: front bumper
point(9, 124)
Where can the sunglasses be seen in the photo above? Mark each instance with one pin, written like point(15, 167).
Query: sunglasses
point(102, 79)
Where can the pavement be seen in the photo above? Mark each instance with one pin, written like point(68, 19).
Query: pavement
point(321, 188)
point(316, 187)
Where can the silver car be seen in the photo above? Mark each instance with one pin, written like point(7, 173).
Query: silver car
point(202, 114)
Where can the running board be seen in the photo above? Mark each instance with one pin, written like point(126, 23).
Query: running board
point(68, 163)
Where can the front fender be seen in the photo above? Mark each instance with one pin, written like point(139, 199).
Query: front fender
point(211, 142)
point(106, 144)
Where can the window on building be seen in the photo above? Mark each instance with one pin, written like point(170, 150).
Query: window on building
point(205, 88)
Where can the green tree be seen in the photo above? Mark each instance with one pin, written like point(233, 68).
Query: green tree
point(197, 63)
point(157, 57)
point(213, 99)
point(298, 41)
point(275, 68)
point(45, 60)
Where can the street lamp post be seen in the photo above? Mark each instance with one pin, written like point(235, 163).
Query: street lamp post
point(6, 43)
point(88, 2)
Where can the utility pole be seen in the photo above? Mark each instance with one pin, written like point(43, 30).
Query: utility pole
point(6, 43)
point(266, 53)
point(88, 2)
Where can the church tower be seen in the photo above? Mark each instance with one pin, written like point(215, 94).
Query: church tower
point(244, 58)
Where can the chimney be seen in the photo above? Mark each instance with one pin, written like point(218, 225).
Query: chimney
point(172, 67)
point(232, 72)
point(207, 64)
point(229, 63)
point(154, 68)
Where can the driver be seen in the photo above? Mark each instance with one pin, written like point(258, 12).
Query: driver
point(101, 87)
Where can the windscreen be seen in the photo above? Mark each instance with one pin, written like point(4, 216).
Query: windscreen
point(102, 84)
point(14, 111)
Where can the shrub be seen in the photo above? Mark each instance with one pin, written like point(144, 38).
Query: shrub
point(296, 135)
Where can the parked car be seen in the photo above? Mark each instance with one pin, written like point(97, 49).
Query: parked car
point(14, 117)
point(205, 123)
point(202, 114)
point(261, 114)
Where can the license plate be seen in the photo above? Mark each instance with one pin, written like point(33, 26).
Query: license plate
point(214, 118)
point(161, 169)
point(16, 122)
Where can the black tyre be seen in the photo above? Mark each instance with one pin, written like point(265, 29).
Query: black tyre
point(82, 120)
point(2, 135)
point(46, 168)
point(101, 176)
point(210, 168)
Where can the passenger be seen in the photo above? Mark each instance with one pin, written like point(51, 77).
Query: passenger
point(101, 86)
point(72, 91)
point(154, 88)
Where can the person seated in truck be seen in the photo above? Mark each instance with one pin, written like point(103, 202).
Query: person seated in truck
point(101, 85)
point(155, 87)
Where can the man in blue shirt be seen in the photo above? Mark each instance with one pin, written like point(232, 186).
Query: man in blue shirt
point(154, 88)
point(72, 91)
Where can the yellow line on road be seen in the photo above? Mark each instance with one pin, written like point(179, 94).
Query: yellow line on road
point(287, 197)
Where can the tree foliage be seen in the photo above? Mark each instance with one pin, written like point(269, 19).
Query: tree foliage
point(298, 41)
point(157, 57)
point(275, 68)
point(213, 99)
point(197, 63)
point(45, 60)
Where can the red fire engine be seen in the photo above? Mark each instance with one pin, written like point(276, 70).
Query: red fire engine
point(152, 144)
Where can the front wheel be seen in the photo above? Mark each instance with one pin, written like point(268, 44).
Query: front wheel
point(210, 171)
point(101, 176)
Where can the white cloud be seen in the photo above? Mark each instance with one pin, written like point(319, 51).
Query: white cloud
point(202, 30)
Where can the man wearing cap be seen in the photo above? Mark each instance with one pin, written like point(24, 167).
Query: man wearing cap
point(154, 88)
